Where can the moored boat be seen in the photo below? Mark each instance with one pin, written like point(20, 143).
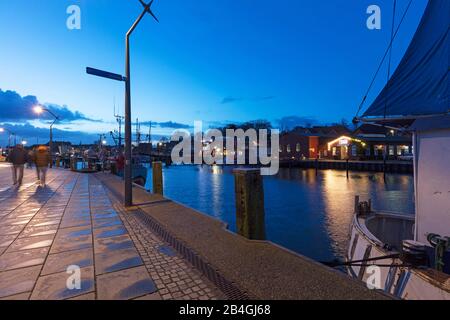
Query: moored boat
point(408, 256)
point(405, 267)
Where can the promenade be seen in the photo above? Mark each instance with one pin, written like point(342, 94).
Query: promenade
point(156, 250)
point(73, 222)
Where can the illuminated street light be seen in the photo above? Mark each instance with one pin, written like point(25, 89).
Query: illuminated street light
point(39, 110)
point(10, 133)
point(24, 143)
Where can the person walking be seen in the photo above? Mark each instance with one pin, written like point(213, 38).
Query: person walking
point(42, 161)
point(120, 161)
point(18, 157)
point(30, 159)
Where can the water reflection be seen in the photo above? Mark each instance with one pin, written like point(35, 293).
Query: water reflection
point(305, 212)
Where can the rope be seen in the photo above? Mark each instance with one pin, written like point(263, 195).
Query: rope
point(382, 60)
point(390, 58)
point(382, 265)
point(350, 263)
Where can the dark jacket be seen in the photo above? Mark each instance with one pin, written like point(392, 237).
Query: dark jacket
point(18, 156)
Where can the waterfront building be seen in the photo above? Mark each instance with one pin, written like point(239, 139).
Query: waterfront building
point(309, 143)
point(367, 142)
point(370, 142)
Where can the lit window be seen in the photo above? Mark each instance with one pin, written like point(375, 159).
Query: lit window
point(391, 150)
point(379, 150)
point(297, 148)
point(289, 148)
point(334, 151)
point(354, 150)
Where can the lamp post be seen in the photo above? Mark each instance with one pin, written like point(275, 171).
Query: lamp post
point(10, 133)
point(40, 110)
point(127, 79)
point(128, 147)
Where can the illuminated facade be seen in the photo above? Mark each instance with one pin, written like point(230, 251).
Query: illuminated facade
point(338, 143)
point(370, 142)
point(307, 143)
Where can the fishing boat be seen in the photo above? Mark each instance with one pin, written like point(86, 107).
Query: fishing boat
point(412, 252)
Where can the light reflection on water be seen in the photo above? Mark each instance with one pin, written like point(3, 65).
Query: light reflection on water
point(306, 213)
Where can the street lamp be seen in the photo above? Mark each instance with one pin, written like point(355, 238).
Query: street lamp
point(127, 80)
point(39, 110)
point(10, 133)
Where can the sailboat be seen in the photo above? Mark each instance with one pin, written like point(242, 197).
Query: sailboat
point(412, 253)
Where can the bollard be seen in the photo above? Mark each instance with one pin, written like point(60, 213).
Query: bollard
point(157, 178)
point(317, 166)
point(347, 168)
point(250, 216)
point(356, 204)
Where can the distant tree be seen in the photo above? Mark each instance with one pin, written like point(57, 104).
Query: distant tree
point(344, 123)
point(289, 123)
point(256, 124)
point(347, 124)
point(259, 124)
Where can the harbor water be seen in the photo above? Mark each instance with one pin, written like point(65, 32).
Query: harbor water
point(306, 213)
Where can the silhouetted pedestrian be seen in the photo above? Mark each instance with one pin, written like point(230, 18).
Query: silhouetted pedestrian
point(42, 161)
point(18, 157)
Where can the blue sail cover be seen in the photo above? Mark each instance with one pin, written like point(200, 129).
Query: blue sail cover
point(420, 85)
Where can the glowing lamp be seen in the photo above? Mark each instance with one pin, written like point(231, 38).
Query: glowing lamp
point(38, 109)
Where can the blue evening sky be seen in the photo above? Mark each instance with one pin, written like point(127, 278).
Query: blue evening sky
point(268, 59)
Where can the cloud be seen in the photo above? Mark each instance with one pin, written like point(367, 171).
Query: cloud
point(174, 125)
point(165, 125)
point(15, 108)
point(227, 100)
point(263, 98)
point(35, 135)
point(231, 99)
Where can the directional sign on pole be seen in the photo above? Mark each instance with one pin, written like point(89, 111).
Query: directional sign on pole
point(105, 74)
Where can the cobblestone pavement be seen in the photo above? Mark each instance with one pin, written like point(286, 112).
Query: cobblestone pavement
point(47, 233)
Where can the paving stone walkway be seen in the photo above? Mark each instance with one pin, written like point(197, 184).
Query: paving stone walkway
point(48, 235)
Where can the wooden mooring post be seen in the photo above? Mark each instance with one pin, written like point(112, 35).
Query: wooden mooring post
point(157, 175)
point(250, 214)
point(347, 167)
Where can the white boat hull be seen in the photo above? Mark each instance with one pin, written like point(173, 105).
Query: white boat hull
point(401, 282)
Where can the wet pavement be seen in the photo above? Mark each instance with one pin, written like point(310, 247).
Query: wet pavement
point(70, 240)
